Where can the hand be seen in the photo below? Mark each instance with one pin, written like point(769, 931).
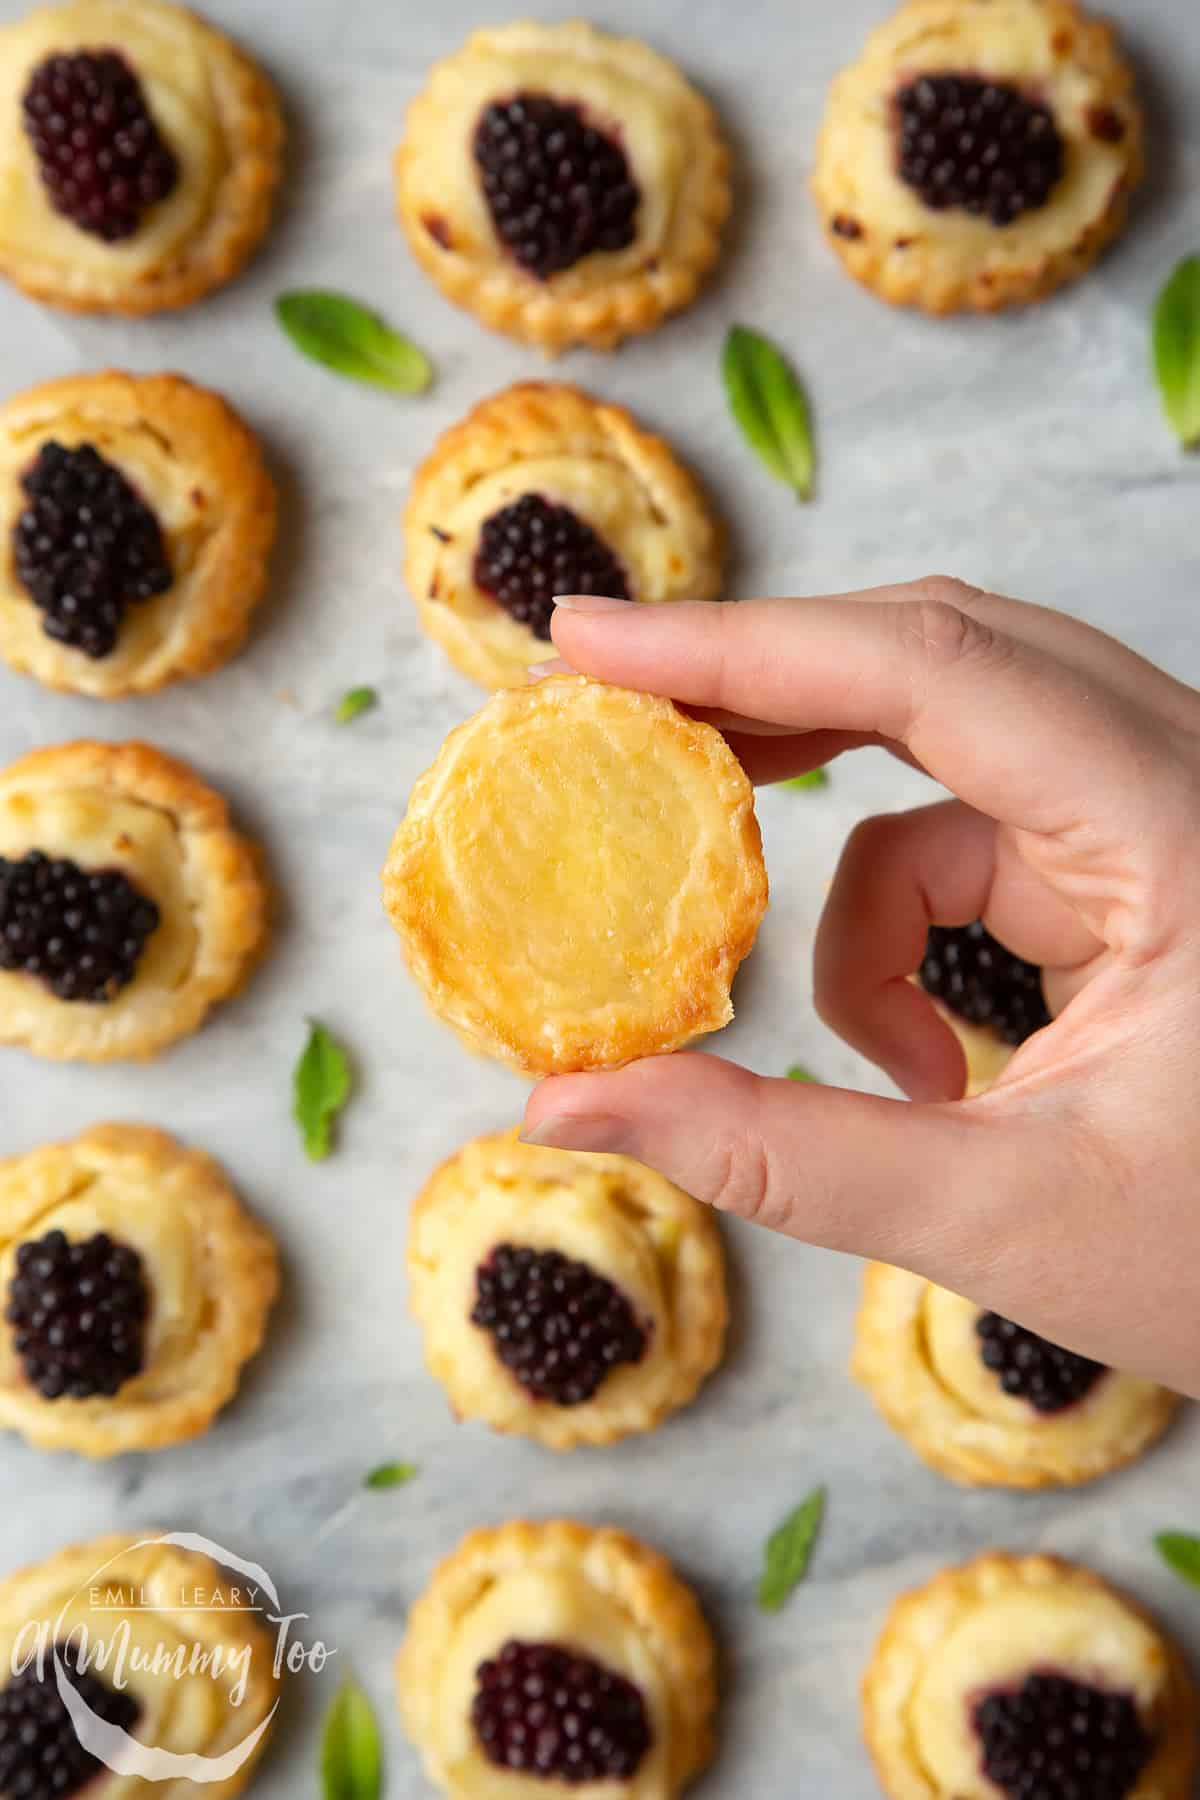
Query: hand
point(1067, 1196)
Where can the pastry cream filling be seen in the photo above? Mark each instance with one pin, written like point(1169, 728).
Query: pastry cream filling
point(543, 1605)
point(163, 50)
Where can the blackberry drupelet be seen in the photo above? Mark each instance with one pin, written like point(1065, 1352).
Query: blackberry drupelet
point(78, 1313)
point(86, 547)
point(533, 549)
point(984, 983)
point(40, 1756)
point(1058, 1739)
point(980, 145)
point(102, 160)
point(545, 1711)
point(1031, 1368)
point(556, 187)
point(81, 931)
point(555, 1324)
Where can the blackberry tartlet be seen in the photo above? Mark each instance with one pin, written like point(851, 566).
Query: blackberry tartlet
point(138, 515)
point(139, 153)
point(542, 490)
point(567, 187)
point(988, 1402)
point(979, 153)
point(992, 999)
point(619, 1700)
point(573, 1299)
point(1025, 1676)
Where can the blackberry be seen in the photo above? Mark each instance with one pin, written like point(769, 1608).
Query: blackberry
point(1032, 1368)
point(78, 1313)
point(86, 547)
point(980, 145)
point(557, 1325)
point(984, 983)
point(556, 187)
point(102, 160)
point(533, 549)
point(549, 1712)
point(1057, 1739)
point(81, 931)
point(40, 1756)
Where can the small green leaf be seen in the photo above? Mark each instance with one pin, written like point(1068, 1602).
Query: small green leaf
point(798, 1072)
point(351, 1758)
point(1181, 1552)
point(788, 1551)
point(1177, 350)
point(769, 405)
point(355, 701)
point(813, 778)
point(322, 1087)
point(337, 331)
point(390, 1475)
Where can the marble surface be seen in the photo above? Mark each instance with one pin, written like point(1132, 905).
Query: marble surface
point(1025, 452)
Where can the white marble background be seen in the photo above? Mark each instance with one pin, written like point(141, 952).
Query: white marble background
point(1025, 452)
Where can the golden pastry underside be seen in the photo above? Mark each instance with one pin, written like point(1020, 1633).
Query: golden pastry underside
point(596, 1591)
point(212, 1272)
point(214, 108)
point(578, 876)
point(987, 1626)
point(127, 806)
point(154, 1591)
point(557, 442)
point(199, 469)
point(676, 155)
point(943, 261)
point(655, 1243)
point(917, 1353)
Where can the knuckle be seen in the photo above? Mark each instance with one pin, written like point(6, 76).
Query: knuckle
point(944, 634)
point(949, 590)
point(738, 1179)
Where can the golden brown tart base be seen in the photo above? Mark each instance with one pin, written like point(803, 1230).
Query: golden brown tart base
point(571, 450)
point(632, 1226)
point(212, 1272)
point(596, 1591)
point(216, 111)
point(173, 1603)
point(199, 469)
point(986, 1627)
point(129, 807)
point(578, 877)
point(944, 261)
point(918, 1355)
point(677, 159)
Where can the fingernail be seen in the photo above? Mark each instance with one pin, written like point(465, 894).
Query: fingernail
point(578, 1131)
point(554, 666)
point(591, 603)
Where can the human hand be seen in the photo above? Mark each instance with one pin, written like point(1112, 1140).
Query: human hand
point(1068, 1195)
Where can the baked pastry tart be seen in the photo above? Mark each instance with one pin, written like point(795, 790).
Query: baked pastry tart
point(979, 153)
point(128, 904)
point(136, 514)
point(985, 1401)
point(543, 490)
point(992, 999)
point(530, 1632)
point(133, 1287)
point(166, 1657)
point(1023, 1676)
point(139, 152)
point(573, 1299)
point(578, 877)
point(565, 186)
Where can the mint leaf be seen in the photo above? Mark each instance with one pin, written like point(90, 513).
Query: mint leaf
point(798, 1072)
point(814, 778)
point(321, 1089)
point(1176, 346)
point(355, 701)
point(390, 1475)
point(340, 333)
point(788, 1550)
point(769, 406)
point(1181, 1552)
point(351, 1758)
